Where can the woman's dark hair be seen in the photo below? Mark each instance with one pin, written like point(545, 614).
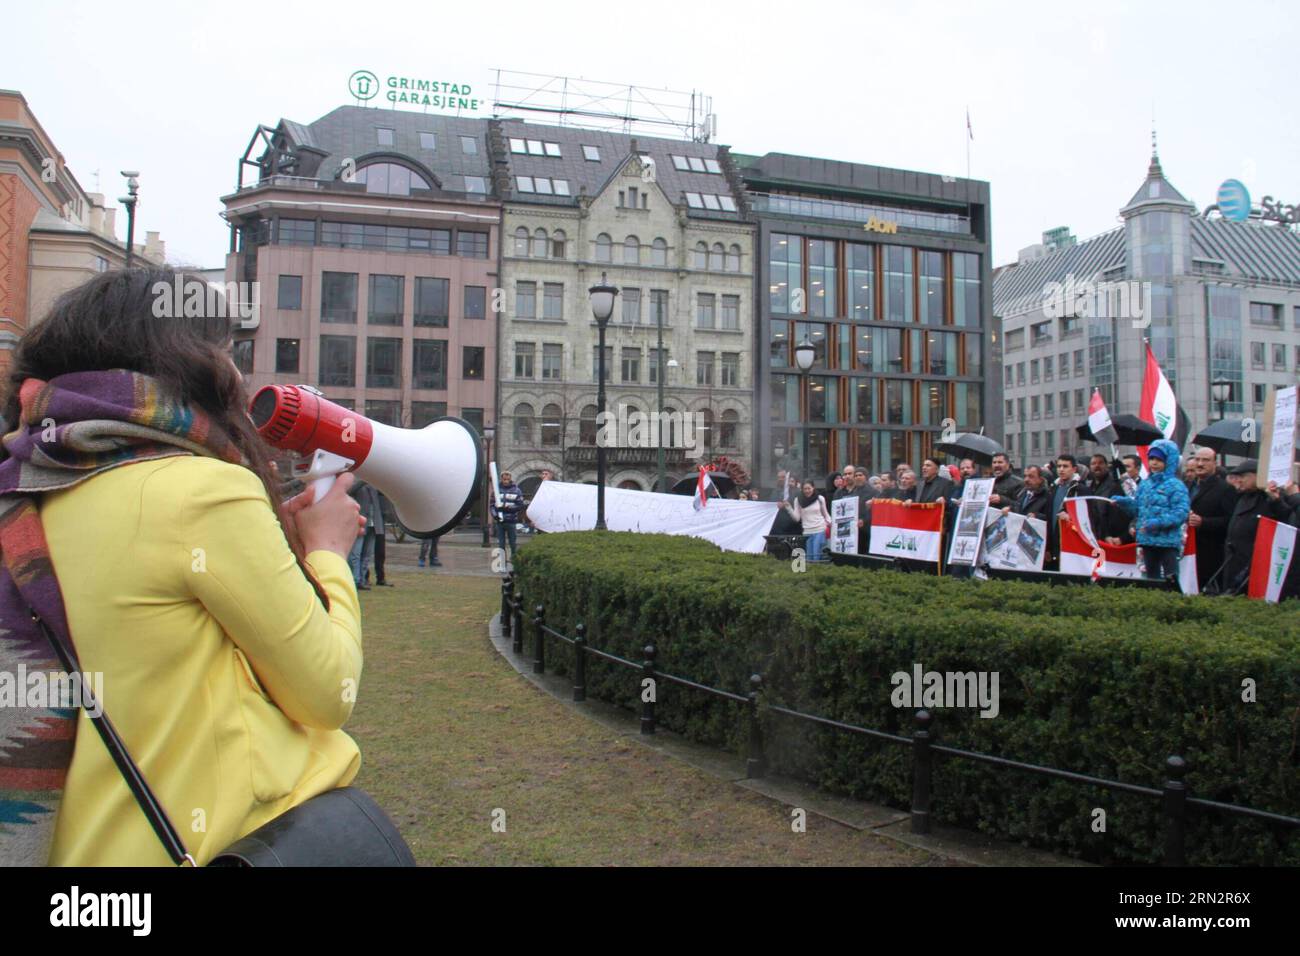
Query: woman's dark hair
point(135, 320)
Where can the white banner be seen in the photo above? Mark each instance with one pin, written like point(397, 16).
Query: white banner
point(730, 524)
point(968, 531)
point(1281, 442)
point(1015, 542)
point(844, 525)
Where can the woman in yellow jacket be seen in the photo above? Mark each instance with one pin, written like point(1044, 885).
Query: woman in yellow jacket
point(225, 624)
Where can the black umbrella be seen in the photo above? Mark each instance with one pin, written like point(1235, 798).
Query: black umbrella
point(979, 448)
point(687, 485)
point(1130, 429)
point(1227, 437)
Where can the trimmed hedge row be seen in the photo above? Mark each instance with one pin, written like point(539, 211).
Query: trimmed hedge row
point(1100, 681)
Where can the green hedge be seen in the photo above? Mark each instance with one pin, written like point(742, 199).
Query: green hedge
point(1102, 681)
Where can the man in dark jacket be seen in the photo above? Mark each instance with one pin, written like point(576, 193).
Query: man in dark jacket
point(1252, 504)
point(1109, 523)
point(1006, 486)
point(933, 486)
point(1034, 498)
point(1067, 486)
point(1213, 501)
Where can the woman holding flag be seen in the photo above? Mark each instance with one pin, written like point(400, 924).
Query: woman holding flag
point(1162, 506)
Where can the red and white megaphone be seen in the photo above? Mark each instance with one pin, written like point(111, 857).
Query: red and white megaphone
point(430, 474)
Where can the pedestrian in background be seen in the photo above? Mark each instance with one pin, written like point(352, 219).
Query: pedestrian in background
point(810, 510)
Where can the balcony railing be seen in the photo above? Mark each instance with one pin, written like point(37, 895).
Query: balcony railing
point(810, 208)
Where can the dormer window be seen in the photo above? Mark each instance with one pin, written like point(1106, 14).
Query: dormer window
point(384, 136)
point(390, 179)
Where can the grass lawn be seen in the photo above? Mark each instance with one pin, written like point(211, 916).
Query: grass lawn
point(449, 733)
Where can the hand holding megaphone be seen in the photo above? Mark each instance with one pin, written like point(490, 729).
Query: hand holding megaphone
point(329, 522)
point(431, 474)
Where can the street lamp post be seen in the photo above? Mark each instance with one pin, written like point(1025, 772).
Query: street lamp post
point(659, 374)
point(602, 307)
point(129, 201)
point(1221, 391)
point(804, 353)
point(488, 432)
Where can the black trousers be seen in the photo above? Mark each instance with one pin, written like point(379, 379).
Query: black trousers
point(379, 558)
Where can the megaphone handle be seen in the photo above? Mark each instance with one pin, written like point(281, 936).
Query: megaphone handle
point(321, 487)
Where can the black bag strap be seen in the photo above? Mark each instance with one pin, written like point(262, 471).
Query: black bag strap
point(144, 796)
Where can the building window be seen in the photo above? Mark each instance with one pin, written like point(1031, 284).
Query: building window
point(383, 362)
point(553, 301)
point(659, 253)
point(1020, 409)
point(1014, 340)
point(475, 302)
point(471, 365)
point(898, 286)
point(705, 306)
point(822, 282)
point(1065, 403)
point(604, 248)
point(552, 424)
point(731, 312)
point(1034, 407)
point(552, 362)
point(390, 179)
point(632, 365)
point(700, 256)
point(631, 251)
point(472, 245)
point(384, 136)
point(297, 232)
point(386, 294)
point(1063, 361)
point(289, 292)
point(475, 184)
point(1078, 361)
point(426, 413)
point(1079, 404)
point(473, 417)
point(1011, 410)
point(523, 431)
point(525, 352)
point(242, 353)
point(428, 141)
point(728, 428)
point(338, 360)
point(733, 258)
point(526, 300)
point(1259, 394)
point(432, 301)
point(966, 289)
point(468, 145)
point(1020, 373)
point(932, 287)
point(1040, 332)
point(384, 411)
point(730, 369)
point(1256, 354)
point(522, 244)
point(631, 306)
point(717, 257)
point(587, 425)
point(1033, 371)
point(558, 239)
point(1010, 372)
point(591, 153)
point(596, 366)
point(338, 297)
point(1279, 357)
point(1267, 314)
point(658, 306)
point(1049, 405)
point(785, 258)
point(703, 368)
point(541, 244)
point(286, 356)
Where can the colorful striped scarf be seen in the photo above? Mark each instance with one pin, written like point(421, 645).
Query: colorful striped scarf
point(71, 428)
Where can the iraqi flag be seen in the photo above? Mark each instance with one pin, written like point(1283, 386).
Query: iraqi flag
point(914, 533)
point(1159, 406)
point(702, 488)
point(1083, 554)
point(1274, 546)
point(1188, 582)
point(1099, 420)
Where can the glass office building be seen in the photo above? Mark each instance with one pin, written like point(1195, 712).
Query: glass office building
point(886, 274)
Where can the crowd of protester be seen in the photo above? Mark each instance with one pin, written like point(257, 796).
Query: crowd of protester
point(1125, 504)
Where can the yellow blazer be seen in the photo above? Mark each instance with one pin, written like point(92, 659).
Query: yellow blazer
point(222, 671)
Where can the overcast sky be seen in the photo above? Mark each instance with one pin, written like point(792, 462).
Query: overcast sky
point(1061, 98)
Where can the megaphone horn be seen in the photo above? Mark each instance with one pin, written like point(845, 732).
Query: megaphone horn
point(430, 474)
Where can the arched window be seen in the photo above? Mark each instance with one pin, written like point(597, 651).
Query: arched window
point(604, 247)
point(716, 257)
point(706, 428)
point(552, 424)
point(632, 251)
point(390, 179)
point(631, 484)
point(727, 432)
point(587, 426)
point(521, 241)
point(524, 424)
point(558, 239)
point(670, 428)
point(733, 258)
point(701, 257)
point(659, 253)
point(540, 244)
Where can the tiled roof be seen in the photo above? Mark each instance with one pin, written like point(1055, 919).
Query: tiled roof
point(1251, 249)
point(1019, 288)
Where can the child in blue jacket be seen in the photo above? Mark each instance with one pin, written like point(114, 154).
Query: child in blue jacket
point(1162, 505)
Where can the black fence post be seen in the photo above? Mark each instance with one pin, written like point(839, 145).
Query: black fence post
point(756, 765)
point(518, 626)
point(539, 641)
point(1175, 812)
point(507, 596)
point(580, 663)
point(921, 758)
point(648, 691)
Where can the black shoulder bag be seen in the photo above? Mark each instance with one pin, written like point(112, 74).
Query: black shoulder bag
point(342, 827)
